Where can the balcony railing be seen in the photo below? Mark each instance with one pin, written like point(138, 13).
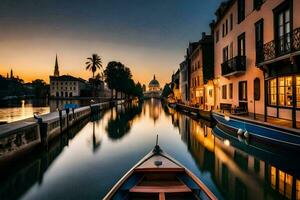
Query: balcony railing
point(286, 44)
point(234, 66)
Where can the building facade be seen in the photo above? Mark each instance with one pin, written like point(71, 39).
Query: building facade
point(278, 55)
point(65, 86)
point(176, 85)
point(235, 61)
point(183, 82)
point(256, 57)
point(201, 70)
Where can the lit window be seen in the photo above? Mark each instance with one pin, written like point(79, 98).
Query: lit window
point(281, 181)
point(285, 91)
point(272, 92)
point(288, 186)
point(298, 91)
point(297, 189)
point(273, 177)
point(285, 184)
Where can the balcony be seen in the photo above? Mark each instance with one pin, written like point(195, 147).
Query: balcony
point(234, 66)
point(285, 45)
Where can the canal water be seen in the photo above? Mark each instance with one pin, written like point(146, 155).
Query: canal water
point(89, 159)
point(14, 110)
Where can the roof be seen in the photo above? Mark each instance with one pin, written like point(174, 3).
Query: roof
point(66, 78)
point(206, 39)
point(223, 9)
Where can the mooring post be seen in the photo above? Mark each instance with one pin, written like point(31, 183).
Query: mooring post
point(67, 111)
point(60, 120)
point(73, 113)
point(43, 131)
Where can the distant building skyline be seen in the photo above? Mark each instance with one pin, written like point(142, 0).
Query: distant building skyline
point(149, 37)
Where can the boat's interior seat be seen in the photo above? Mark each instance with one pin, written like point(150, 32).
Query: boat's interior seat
point(160, 186)
point(158, 189)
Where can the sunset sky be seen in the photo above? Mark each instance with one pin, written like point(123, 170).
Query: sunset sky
point(149, 36)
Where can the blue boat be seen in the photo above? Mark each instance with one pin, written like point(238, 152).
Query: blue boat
point(259, 131)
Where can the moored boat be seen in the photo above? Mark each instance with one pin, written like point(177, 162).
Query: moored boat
point(254, 130)
point(159, 176)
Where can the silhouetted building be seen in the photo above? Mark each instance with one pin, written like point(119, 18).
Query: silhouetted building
point(66, 86)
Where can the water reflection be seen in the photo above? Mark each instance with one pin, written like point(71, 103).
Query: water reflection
point(17, 177)
point(122, 119)
point(86, 162)
point(13, 110)
point(237, 174)
point(21, 109)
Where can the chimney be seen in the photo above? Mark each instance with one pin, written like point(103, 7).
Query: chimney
point(212, 26)
point(203, 35)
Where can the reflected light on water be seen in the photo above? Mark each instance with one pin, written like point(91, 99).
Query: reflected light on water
point(87, 161)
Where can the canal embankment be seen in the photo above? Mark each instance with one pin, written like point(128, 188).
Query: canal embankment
point(21, 137)
point(204, 114)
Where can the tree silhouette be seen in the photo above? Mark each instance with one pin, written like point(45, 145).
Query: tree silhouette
point(94, 63)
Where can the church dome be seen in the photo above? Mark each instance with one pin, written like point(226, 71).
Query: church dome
point(154, 83)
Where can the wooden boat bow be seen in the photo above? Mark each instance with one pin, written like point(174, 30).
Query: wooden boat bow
point(159, 176)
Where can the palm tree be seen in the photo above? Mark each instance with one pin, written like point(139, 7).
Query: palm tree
point(94, 63)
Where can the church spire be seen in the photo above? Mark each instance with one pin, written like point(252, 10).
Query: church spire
point(56, 71)
point(154, 77)
point(11, 74)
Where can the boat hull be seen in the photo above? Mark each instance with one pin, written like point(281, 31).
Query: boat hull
point(158, 176)
point(258, 130)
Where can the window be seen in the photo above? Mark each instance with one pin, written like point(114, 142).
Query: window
point(259, 39)
point(224, 92)
point(226, 27)
point(285, 91)
point(225, 54)
point(257, 4)
point(223, 30)
point(241, 45)
point(256, 89)
point(285, 184)
point(210, 92)
point(272, 92)
point(231, 21)
point(298, 91)
point(217, 35)
point(241, 10)
point(273, 177)
point(198, 81)
point(256, 165)
point(282, 18)
point(231, 50)
point(230, 91)
point(243, 90)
